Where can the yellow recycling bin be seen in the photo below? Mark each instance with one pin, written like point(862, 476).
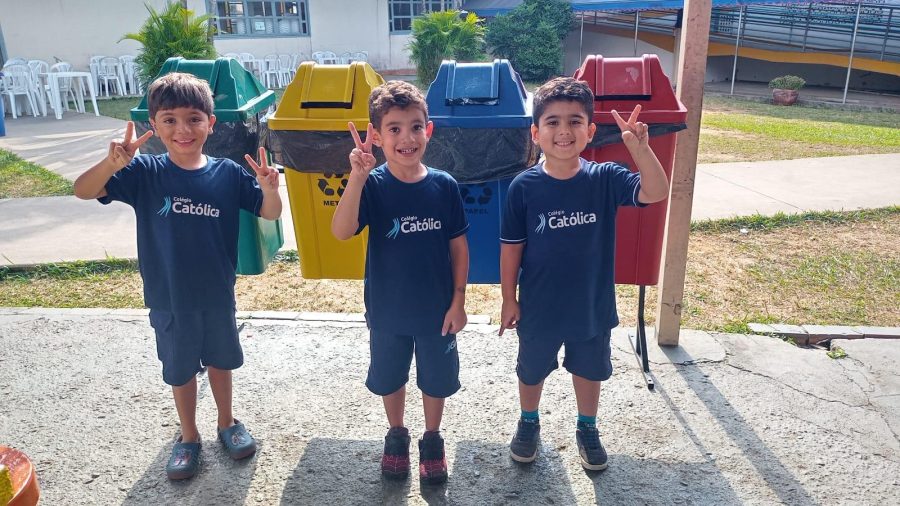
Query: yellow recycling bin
point(308, 135)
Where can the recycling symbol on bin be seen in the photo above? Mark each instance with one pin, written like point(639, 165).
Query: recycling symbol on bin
point(480, 193)
point(332, 184)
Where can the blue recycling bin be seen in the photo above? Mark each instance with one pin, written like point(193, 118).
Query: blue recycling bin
point(482, 137)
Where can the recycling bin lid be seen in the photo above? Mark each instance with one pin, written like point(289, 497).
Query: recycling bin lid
point(237, 94)
point(621, 83)
point(478, 95)
point(326, 97)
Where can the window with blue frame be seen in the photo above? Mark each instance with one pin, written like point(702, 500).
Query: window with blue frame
point(402, 12)
point(260, 18)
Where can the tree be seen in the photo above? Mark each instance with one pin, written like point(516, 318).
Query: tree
point(444, 35)
point(173, 32)
point(531, 36)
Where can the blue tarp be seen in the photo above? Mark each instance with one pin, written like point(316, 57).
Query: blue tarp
point(494, 7)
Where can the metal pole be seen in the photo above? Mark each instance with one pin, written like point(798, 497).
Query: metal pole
point(806, 31)
point(581, 40)
point(887, 31)
point(637, 21)
point(737, 44)
point(852, 47)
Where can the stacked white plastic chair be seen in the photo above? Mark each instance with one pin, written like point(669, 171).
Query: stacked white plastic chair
point(129, 71)
point(38, 70)
point(109, 73)
point(325, 57)
point(17, 81)
point(66, 88)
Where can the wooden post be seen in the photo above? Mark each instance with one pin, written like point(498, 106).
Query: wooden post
point(690, 77)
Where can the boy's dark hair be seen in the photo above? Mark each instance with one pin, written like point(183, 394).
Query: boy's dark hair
point(178, 89)
point(394, 94)
point(562, 88)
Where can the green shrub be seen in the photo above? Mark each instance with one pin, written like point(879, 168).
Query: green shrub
point(531, 36)
point(787, 83)
point(444, 35)
point(173, 32)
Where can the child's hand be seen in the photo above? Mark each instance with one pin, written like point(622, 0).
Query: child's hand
point(121, 153)
point(361, 159)
point(634, 133)
point(266, 176)
point(454, 320)
point(509, 316)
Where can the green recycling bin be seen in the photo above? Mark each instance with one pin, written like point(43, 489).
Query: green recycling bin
point(241, 102)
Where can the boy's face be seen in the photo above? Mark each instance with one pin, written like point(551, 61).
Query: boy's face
point(183, 130)
point(563, 131)
point(403, 136)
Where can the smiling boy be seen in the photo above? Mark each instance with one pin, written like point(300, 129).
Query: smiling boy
point(416, 270)
point(187, 206)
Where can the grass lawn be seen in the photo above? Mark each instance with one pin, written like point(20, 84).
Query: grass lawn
point(735, 130)
point(19, 179)
point(814, 268)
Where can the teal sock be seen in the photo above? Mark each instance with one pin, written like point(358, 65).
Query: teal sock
point(586, 421)
point(530, 415)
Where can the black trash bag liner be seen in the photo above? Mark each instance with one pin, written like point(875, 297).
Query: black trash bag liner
point(313, 151)
point(611, 134)
point(477, 155)
point(230, 140)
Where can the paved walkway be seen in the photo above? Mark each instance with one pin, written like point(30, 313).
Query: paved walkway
point(733, 420)
point(52, 229)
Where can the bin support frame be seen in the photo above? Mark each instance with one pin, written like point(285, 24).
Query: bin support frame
point(638, 342)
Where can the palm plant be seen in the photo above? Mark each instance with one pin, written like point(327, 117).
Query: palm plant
point(440, 35)
point(174, 31)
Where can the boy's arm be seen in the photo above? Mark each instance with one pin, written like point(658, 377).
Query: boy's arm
point(267, 177)
point(456, 319)
point(345, 221)
point(654, 184)
point(92, 184)
point(510, 261)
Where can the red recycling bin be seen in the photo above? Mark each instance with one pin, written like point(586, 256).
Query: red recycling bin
point(620, 84)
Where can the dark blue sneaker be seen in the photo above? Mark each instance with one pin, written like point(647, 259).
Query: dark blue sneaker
point(590, 449)
point(524, 445)
point(185, 460)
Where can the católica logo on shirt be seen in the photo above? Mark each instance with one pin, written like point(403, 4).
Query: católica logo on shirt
point(412, 224)
point(562, 219)
point(184, 205)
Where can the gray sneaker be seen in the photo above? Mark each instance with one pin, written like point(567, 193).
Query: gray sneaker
point(590, 449)
point(524, 445)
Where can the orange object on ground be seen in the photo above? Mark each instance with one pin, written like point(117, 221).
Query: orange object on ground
point(25, 490)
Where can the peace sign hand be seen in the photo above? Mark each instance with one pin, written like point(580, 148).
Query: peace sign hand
point(266, 176)
point(121, 153)
point(634, 133)
point(361, 159)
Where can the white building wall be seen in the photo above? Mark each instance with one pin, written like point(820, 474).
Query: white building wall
point(71, 30)
point(75, 30)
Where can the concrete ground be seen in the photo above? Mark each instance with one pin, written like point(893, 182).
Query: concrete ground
point(734, 419)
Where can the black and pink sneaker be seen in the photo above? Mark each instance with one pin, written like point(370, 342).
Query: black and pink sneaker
point(432, 461)
point(395, 459)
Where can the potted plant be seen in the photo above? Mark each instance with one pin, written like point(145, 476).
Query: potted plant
point(786, 89)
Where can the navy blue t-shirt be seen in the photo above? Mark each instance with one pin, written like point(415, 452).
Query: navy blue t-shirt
point(566, 286)
point(409, 279)
point(187, 228)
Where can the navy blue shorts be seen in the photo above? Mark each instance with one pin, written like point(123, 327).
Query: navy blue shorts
point(186, 341)
point(437, 363)
point(589, 359)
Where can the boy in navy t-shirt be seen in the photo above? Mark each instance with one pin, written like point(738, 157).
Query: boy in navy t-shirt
point(559, 229)
point(416, 269)
point(187, 206)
